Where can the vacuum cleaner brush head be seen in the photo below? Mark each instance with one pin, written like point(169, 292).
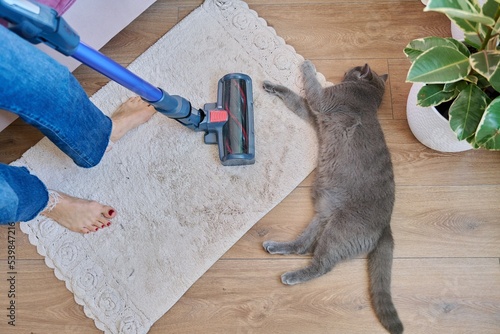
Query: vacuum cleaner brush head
point(230, 122)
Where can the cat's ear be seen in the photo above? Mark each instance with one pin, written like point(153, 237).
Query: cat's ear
point(384, 77)
point(366, 72)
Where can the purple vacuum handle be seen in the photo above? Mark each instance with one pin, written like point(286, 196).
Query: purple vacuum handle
point(170, 105)
point(111, 69)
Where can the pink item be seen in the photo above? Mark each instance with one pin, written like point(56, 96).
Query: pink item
point(61, 6)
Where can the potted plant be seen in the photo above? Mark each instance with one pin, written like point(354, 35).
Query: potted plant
point(462, 78)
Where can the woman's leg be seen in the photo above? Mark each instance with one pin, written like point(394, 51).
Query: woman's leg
point(23, 196)
point(45, 94)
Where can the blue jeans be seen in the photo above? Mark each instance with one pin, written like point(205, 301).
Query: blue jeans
point(46, 95)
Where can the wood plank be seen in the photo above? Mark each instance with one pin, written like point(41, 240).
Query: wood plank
point(24, 250)
point(416, 165)
point(398, 87)
point(43, 304)
point(459, 295)
point(426, 222)
point(345, 30)
point(16, 139)
point(431, 295)
point(447, 222)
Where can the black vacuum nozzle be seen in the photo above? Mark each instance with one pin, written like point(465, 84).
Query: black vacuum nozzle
point(230, 122)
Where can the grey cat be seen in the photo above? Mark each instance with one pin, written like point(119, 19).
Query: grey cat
point(353, 191)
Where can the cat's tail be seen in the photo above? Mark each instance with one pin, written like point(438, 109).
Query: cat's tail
point(379, 269)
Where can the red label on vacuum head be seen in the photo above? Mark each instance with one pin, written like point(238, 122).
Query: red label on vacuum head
point(218, 116)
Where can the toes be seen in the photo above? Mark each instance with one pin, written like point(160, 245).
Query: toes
point(105, 224)
point(97, 225)
point(108, 212)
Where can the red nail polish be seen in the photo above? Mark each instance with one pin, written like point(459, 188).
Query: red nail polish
point(96, 228)
point(111, 212)
point(109, 223)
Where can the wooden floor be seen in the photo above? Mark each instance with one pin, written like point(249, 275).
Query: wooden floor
point(446, 223)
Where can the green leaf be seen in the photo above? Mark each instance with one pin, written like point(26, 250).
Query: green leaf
point(492, 43)
point(456, 4)
point(495, 80)
point(433, 94)
point(482, 82)
point(418, 46)
point(490, 8)
point(459, 46)
point(457, 86)
point(488, 133)
point(440, 64)
point(467, 27)
point(473, 40)
point(472, 79)
point(467, 110)
point(496, 27)
point(460, 9)
point(472, 140)
point(487, 63)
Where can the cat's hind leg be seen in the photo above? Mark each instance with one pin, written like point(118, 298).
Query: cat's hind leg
point(303, 244)
point(293, 101)
point(332, 247)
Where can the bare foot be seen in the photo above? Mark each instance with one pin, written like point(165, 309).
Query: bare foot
point(76, 214)
point(130, 115)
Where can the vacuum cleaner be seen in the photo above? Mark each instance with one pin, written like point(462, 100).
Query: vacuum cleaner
point(227, 123)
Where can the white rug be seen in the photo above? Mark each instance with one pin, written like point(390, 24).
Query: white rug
point(179, 209)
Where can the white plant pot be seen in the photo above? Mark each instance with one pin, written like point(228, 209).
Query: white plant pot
point(456, 32)
point(430, 128)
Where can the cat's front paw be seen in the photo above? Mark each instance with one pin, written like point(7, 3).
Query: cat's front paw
point(269, 87)
point(308, 67)
point(274, 89)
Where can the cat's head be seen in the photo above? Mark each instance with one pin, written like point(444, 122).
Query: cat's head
point(366, 74)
